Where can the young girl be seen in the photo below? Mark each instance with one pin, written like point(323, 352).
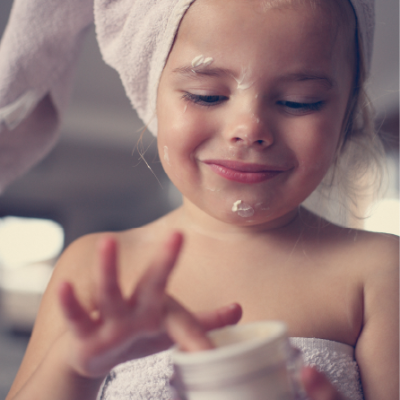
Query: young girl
point(257, 102)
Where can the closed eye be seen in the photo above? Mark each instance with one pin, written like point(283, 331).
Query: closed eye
point(204, 100)
point(300, 108)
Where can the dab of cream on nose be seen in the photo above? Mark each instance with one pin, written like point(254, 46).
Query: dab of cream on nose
point(166, 155)
point(255, 118)
point(243, 210)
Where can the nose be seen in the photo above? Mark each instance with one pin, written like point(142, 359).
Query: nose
point(250, 130)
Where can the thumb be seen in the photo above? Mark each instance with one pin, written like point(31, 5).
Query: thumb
point(318, 386)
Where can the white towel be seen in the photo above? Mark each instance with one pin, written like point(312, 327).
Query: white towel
point(147, 378)
point(38, 53)
point(39, 50)
point(135, 38)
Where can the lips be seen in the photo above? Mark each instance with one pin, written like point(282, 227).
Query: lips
point(244, 172)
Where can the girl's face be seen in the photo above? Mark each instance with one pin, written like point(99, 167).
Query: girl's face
point(251, 106)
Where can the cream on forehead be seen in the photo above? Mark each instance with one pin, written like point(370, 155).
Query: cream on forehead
point(243, 82)
point(201, 61)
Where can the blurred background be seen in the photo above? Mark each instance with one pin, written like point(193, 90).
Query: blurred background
point(96, 180)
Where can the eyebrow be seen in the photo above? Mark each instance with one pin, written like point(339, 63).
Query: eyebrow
point(193, 73)
point(310, 76)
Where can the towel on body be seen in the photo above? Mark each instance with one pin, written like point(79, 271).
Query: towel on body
point(40, 47)
point(148, 378)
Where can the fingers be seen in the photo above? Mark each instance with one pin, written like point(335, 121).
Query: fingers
point(189, 331)
point(78, 319)
point(152, 285)
point(184, 329)
point(317, 385)
point(227, 315)
point(109, 297)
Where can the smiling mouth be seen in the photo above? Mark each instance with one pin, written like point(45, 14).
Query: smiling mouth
point(244, 172)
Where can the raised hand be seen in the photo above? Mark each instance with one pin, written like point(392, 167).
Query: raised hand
point(145, 322)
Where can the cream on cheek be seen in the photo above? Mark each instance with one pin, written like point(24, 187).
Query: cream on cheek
point(166, 155)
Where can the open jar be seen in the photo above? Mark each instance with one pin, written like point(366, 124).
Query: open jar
point(250, 362)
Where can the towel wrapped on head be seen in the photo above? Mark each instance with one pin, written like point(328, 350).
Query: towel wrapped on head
point(40, 46)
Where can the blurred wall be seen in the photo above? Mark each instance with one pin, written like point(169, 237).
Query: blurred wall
point(95, 178)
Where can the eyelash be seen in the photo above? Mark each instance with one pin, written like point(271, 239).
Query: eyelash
point(301, 108)
point(213, 100)
point(202, 99)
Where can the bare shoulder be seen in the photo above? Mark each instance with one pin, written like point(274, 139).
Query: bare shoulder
point(79, 260)
point(352, 247)
point(377, 251)
point(384, 244)
point(136, 248)
point(361, 253)
point(77, 263)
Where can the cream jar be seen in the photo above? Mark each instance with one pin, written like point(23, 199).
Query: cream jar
point(250, 362)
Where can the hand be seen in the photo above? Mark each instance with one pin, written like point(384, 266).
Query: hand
point(146, 322)
point(317, 385)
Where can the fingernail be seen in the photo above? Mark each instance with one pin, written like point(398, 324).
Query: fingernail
point(232, 306)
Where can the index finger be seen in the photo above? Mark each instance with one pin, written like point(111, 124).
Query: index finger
point(184, 329)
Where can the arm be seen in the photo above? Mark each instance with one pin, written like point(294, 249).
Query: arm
point(72, 348)
point(377, 350)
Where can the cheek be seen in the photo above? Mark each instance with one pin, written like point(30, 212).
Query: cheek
point(315, 146)
point(181, 132)
point(182, 128)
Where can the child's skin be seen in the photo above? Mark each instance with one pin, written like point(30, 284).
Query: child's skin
point(281, 262)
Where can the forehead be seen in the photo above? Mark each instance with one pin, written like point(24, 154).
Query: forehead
point(255, 28)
